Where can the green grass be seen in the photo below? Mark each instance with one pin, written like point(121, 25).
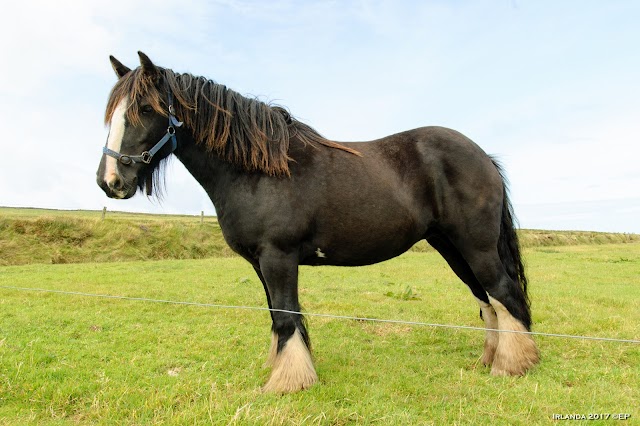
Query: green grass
point(68, 360)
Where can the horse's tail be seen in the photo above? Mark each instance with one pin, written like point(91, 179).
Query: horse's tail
point(508, 244)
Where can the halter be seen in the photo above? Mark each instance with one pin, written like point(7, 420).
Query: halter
point(146, 156)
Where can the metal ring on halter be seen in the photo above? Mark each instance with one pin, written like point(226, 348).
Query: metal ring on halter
point(125, 159)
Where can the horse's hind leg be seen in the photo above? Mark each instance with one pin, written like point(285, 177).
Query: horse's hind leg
point(516, 352)
point(289, 357)
point(461, 268)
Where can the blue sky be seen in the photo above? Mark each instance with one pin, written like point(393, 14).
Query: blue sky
point(549, 87)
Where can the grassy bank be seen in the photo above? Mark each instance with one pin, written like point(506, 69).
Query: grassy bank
point(31, 236)
point(68, 360)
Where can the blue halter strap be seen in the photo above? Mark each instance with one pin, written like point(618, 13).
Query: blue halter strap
point(147, 156)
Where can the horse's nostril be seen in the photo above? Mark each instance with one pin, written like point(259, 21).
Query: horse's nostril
point(116, 184)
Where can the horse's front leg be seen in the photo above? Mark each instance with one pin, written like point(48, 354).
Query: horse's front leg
point(289, 357)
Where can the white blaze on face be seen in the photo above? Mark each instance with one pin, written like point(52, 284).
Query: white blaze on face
point(114, 141)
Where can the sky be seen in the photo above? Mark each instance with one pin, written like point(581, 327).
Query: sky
point(551, 88)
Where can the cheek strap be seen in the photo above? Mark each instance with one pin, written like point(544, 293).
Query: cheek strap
point(147, 156)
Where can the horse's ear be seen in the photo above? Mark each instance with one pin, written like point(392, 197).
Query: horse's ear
point(147, 66)
point(120, 69)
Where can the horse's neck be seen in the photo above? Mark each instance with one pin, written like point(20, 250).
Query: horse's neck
point(211, 172)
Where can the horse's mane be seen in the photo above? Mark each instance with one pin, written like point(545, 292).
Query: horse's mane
point(244, 131)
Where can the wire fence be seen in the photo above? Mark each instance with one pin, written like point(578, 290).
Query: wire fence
point(313, 314)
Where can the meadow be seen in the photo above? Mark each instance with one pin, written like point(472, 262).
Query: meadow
point(69, 359)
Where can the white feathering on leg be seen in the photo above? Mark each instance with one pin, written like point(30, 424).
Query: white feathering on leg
point(292, 367)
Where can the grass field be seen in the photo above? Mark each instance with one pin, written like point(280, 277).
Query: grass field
point(70, 359)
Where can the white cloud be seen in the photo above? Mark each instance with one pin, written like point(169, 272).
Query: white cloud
point(42, 40)
point(589, 161)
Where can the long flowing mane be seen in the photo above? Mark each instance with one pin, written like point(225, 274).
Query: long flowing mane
point(244, 131)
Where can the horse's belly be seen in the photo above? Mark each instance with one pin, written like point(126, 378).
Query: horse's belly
point(359, 248)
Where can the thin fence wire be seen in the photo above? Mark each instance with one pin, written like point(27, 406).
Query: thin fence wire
point(313, 314)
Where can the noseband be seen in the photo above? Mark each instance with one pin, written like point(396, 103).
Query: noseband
point(146, 156)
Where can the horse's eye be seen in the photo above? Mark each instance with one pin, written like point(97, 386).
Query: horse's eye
point(146, 109)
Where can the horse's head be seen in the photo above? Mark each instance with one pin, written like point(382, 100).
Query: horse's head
point(142, 129)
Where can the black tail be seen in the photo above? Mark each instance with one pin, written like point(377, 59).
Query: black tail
point(508, 245)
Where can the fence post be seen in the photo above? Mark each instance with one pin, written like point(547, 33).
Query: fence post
point(201, 217)
point(104, 212)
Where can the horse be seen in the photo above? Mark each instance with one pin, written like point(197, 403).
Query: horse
point(287, 196)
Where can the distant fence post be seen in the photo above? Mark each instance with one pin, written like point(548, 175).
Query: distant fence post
point(201, 217)
point(104, 212)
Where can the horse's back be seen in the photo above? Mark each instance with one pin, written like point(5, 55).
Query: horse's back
point(431, 165)
point(424, 145)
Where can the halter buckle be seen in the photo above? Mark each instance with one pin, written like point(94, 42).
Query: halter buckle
point(146, 157)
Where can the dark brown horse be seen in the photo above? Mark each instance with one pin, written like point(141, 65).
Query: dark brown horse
point(286, 196)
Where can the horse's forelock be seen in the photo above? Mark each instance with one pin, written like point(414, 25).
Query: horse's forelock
point(135, 86)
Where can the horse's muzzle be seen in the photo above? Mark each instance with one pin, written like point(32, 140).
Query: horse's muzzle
point(117, 188)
